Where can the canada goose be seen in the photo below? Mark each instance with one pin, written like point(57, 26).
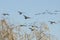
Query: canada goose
point(20, 12)
point(22, 25)
point(52, 22)
point(56, 11)
point(34, 26)
point(31, 29)
point(26, 17)
point(43, 12)
point(51, 13)
point(4, 14)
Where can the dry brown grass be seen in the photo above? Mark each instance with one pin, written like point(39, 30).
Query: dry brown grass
point(7, 33)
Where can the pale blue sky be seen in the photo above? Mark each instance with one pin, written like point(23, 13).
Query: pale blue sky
point(29, 8)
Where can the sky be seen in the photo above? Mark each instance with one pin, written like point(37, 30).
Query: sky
point(29, 8)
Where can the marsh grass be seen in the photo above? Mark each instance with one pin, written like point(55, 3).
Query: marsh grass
point(7, 33)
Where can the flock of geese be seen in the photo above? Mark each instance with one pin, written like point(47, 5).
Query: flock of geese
point(51, 13)
point(27, 17)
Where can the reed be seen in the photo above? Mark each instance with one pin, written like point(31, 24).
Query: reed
point(7, 33)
